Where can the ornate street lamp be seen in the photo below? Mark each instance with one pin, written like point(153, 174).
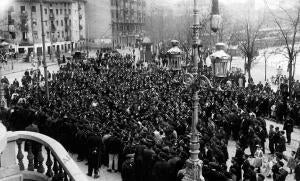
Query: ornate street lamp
point(174, 56)
point(219, 60)
point(216, 19)
point(194, 164)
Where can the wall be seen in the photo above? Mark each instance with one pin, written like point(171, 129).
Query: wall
point(98, 15)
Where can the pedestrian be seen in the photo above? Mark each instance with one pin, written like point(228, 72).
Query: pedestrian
point(288, 127)
point(128, 172)
point(281, 147)
point(271, 139)
point(258, 156)
point(297, 170)
point(113, 150)
point(292, 162)
point(94, 147)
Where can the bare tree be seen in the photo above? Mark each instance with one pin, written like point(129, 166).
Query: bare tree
point(288, 27)
point(248, 44)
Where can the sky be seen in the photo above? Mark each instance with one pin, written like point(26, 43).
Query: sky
point(258, 3)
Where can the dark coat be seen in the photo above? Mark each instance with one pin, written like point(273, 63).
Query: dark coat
point(297, 172)
point(94, 147)
point(288, 125)
point(161, 171)
point(113, 145)
point(128, 172)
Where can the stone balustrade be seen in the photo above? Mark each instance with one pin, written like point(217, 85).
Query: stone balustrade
point(46, 159)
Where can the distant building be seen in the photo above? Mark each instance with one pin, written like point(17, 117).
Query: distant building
point(121, 20)
point(64, 23)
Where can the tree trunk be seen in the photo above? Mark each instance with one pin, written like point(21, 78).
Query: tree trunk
point(249, 73)
point(265, 70)
point(294, 67)
point(290, 77)
point(230, 63)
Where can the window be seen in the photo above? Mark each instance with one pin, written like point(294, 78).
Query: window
point(63, 34)
point(33, 9)
point(69, 11)
point(22, 9)
point(61, 11)
point(69, 22)
point(24, 36)
point(46, 23)
point(50, 4)
point(65, 4)
point(34, 23)
point(45, 10)
point(65, 11)
point(56, 22)
point(48, 34)
point(56, 11)
point(58, 34)
point(62, 23)
point(35, 35)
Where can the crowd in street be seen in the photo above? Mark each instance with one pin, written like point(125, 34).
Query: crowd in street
point(137, 121)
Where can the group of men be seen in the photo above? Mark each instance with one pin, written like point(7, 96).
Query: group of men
point(138, 121)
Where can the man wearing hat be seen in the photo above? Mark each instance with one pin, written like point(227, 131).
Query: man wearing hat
point(288, 127)
point(128, 171)
point(94, 147)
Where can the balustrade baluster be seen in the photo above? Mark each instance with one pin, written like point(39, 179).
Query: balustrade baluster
point(55, 166)
point(66, 176)
point(41, 168)
point(49, 163)
point(20, 155)
point(30, 156)
point(61, 173)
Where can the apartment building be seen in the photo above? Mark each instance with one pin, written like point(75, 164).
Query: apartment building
point(122, 21)
point(64, 25)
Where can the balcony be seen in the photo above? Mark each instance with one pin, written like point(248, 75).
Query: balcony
point(67, 15)
point(53, 161)
point(80, 16)
point(51, 16)
point(24, 16)
point(24, 27)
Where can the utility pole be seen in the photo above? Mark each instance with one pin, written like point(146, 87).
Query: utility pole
point(44, 51)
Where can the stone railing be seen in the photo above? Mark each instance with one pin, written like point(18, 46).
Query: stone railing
point(58, 165)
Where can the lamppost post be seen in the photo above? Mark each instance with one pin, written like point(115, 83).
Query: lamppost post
point(44, 51)
point(194, 164)
point(196, 40)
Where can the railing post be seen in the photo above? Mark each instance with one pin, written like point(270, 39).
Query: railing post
point(61, 173)
point(30, 156)
point(20, 155)
point(66, 176)
point(55, 166)
point(41, 168)
point(49, 163)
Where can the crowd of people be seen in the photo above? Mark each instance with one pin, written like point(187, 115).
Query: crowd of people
point(137, 122)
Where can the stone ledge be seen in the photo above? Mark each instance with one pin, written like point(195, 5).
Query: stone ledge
point(56, 148)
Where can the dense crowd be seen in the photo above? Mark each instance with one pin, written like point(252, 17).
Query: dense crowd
point(137, 121)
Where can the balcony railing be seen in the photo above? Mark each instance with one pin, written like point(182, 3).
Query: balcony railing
point(58, 164)
point(51, 16)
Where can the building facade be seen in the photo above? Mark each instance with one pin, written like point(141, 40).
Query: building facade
point(64, 25)
point(119, 21)
point(128, 20)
